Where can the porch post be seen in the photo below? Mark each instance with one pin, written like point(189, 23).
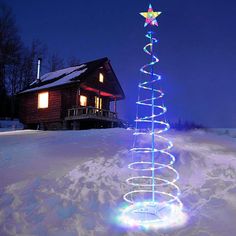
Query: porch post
point(115, 105)
point(99, 102)
point(78, 97)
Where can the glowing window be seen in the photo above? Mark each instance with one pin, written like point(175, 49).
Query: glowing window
point(43, 100)
point(101, 77)
point(98, 102)
point(83, 101)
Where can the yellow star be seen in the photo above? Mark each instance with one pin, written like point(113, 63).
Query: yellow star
point(150, 16)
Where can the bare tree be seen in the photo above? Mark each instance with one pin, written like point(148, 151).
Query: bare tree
point(10, 49)
point(18, 64)
point(30, 56)
point(55, 62)
point(73, 61)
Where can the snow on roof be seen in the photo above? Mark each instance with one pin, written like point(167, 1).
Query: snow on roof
point(66, 71)
point(64, 80)
point(58, 73)
point(64, 76)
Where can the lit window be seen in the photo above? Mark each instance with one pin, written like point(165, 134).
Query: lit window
point(98, 102)
point(83, 101)
point(101, 78)
point(43, 100)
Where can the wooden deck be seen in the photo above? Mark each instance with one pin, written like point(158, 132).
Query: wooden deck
point(82, 113)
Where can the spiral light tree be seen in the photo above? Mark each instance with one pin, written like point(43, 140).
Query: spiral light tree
point(153, 199)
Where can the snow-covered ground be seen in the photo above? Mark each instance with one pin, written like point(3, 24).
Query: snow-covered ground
point(7, 125)
point(71, 182)
point(224, 131)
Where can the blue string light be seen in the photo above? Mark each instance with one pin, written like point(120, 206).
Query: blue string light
point(154, 195)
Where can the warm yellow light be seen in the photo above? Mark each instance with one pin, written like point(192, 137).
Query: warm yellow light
point(101, 78)
point(98, 102)
point(43, 100)
point(83, 101)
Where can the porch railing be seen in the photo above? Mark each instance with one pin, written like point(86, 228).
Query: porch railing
point(81, 112)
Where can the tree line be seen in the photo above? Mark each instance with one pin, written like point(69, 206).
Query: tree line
point(185, 125)
point(18, 62)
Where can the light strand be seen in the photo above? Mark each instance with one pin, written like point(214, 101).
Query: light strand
point(154, 195)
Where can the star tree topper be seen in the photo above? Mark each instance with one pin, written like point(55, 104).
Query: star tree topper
point(150, 16)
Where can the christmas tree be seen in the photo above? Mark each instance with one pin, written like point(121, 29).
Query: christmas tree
point(154, 195)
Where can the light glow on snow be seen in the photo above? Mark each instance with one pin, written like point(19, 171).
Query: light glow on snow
point(59, 179)
point(149, 216)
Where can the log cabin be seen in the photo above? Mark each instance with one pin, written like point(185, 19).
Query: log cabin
point(78, 97)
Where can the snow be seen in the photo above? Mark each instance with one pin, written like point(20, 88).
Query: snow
point(64, 80)
point(58, 73)
point(72, 182)
point(6, 125)
point(224, 131)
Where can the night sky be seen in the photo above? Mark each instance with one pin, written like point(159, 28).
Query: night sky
point(197, 48)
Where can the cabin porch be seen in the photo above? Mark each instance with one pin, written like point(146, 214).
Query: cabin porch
point(83, 117)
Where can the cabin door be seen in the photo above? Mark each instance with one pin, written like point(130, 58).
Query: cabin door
point(98, 102)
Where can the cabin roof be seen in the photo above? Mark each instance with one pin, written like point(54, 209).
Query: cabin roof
point(70, 75)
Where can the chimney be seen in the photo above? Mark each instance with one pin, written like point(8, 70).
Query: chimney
point(38, 69)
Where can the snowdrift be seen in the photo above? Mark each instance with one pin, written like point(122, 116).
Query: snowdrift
point(72, 182)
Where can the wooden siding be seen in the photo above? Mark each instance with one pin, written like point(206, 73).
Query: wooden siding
point(91, 99)
point(108, 86)
point(30, 114)
point(68, 99)
point(60, 101)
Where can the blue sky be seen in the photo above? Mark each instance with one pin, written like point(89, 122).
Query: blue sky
point(196, 48)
